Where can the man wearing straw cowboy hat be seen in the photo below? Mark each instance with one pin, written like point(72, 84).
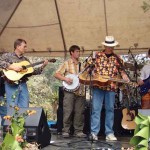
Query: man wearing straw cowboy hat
point(106, 64)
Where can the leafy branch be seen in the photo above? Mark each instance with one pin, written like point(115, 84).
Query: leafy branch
point(145, 6)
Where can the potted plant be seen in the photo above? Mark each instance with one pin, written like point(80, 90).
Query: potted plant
point(15, 136)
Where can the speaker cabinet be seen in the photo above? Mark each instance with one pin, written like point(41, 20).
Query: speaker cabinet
point(36, 126)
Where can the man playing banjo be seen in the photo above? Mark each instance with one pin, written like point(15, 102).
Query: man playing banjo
point(74, 93)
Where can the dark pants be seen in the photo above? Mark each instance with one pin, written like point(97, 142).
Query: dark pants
point(73, 109)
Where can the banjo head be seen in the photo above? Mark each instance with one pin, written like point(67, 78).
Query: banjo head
point(75, 83)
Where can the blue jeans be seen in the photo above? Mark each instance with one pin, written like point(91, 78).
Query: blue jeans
point(97, 102)
point(21, 94)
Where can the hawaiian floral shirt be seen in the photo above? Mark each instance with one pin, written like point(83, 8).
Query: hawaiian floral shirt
point(107, 66)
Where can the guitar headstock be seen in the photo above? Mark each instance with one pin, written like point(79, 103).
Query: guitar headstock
point(52, 60)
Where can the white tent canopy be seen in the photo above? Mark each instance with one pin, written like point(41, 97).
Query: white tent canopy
point(50, 27)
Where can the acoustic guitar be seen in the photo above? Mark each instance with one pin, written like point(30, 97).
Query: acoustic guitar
point(128, 115)
point(128, 119)
point(100, 80)
point(27, 69)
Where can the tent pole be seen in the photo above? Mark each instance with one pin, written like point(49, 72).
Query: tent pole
point(61, 29)
point(105, 13)
point(10, 17)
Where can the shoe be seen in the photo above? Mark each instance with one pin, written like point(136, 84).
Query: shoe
point(111, 137)
point(94, 137)
point(65, 134)
point(80, 135)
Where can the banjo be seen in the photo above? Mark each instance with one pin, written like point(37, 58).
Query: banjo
point(75, 83)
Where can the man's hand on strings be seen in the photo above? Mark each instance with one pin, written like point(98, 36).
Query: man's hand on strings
point(15, 67)
point(125, 77)
point(69, 81)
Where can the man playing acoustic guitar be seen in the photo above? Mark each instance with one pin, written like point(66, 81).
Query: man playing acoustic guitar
point(73, 102)
point(144, 83)
point(107, 63)
point(17, 93)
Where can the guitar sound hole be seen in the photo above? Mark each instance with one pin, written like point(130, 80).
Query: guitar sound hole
point(24, 67)
point(130, 116)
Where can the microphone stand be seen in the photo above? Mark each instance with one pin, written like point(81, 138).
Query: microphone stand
point(122, 68)
point(135, 71)
point(90, 106)
point(135, 65)
point(89, 70)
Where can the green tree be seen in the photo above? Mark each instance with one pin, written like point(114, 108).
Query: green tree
point(146, 6)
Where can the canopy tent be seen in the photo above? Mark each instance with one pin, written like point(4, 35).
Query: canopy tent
point(50, 27)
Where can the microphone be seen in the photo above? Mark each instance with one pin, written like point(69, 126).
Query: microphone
point(93, 57)
point(88, 57)
point(90, 67)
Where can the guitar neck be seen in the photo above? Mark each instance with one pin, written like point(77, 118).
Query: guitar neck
point(41, 62)
point(128, 108)
point(118, 80)
point(34, 64)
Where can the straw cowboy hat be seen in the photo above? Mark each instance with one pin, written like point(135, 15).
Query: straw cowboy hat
point(110, 41)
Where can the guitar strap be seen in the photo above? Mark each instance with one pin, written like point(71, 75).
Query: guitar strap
point(79, 67)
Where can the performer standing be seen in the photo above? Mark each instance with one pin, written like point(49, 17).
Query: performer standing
point(106, 63)
point(145, 75)
point(17, 94)
point(73, 102)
